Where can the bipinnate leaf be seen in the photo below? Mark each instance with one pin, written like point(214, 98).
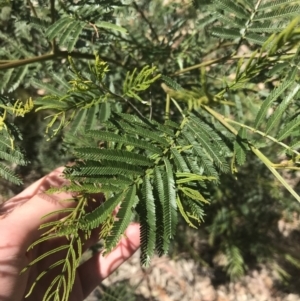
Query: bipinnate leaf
point(289, 128)
point(261, 115)
point(95, 218)
point(124, 217)
point(240, 146)
point(277, 114)
point(147, 213)
point(170, 206)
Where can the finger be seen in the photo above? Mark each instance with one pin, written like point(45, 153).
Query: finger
point(16, 230)
point(97, 268)
point(35, 188)
point(21, 225)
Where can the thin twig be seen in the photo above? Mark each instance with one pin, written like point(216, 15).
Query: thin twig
point(225, 121)
point(130, 104)
point(124, 99)
point(270, 165)
point(52, 13)
point(32, 8)
point(146, 20)
point(232, 58)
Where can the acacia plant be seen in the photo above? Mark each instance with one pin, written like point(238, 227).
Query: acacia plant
point(157, 102)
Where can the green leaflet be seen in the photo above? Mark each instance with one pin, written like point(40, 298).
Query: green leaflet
point(198, 165)
point(240, 147)
point(127, 140)
point(49, 89)
point(54, 102)
point(6, 79)
point(147, 213)
point(183, 213)
point(289, 128)
point(77, 121)
point(170, 206)
point(95, 218)
point(236, 262)
point(196, 211)
point(12, 156)
point(93, 169)
point(171, 83)
point(266, 27)
point(162, 242)
point(7, 174)
point(143, 127)
point(105, 111)
point(76, 33)
point(273, 96)
point(39, 23)
point(7, 150)
point(124, 217)
point(139, 82)
point(108, 25)
point(146, 133)
point(193, 194)
point(227, 19)
point(233, 7)
point(278, 68)
point(17, 78)
point(207, 148)
point(187, 177)
point(119, 182)
point(165, 225)
point(252, 21)
point(97, 154)
point(58, 26)
point(62, 284)
point(212, 135)
point(274, 4)
point(289, 11)
point(226, 33)
point(275, 117)
point(179, 161)
point(256, 39)
point(67, 30)
point(92, 116)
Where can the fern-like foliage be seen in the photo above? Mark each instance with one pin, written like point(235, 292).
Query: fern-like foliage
point(59, 288)
point(253, 21)
point(156, 117)
point(73, 108)
point(140, 82)
point(9, 134)
point(151, 162)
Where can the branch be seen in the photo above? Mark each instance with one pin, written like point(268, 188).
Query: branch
point(18, 63)
point(52, 13)
point(233, 58)
point(6, 64)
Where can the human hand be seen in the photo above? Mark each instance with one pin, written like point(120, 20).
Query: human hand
point(20, 218)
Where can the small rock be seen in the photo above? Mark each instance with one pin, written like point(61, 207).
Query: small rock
point(208, 294)
point(292, 297)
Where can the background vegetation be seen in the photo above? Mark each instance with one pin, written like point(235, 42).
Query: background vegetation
point(220, 79)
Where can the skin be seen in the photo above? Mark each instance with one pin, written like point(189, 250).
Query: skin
point(20, 218)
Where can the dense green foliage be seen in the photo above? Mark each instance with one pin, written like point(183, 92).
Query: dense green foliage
point(171, 110)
